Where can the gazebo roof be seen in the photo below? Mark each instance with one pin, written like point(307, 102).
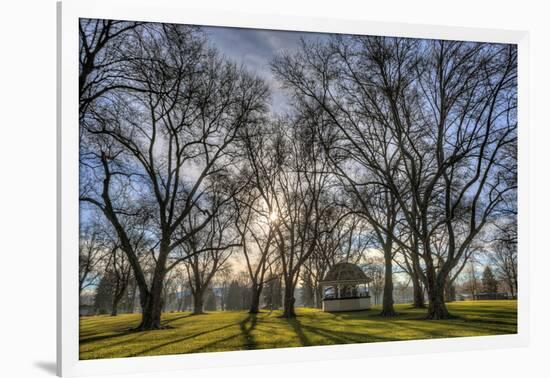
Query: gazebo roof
point(345, 272)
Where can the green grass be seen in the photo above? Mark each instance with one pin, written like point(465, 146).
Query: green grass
point(108, 337)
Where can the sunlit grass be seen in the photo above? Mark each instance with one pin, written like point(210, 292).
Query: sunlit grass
point(107, 337)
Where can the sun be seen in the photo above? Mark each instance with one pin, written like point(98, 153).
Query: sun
point(273, 216)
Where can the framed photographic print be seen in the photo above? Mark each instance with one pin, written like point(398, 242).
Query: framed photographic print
point(236, 185)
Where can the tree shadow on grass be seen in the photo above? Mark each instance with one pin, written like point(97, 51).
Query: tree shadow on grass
point(168, 321)
point(110, 345)
point(246, 326)
point(448, 327)
point(297, 327)
point(250, 341)
point(204, 348)
point(496, 320)
point(151, 349)
point(511, 315)
point(124, 331)
point(346, 337)
point(93, 339)
point(128, 331)
point(415, 314)
point(332, 336)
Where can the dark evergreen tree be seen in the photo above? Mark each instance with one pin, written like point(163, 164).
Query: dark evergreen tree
point(233, 300)
point(104, 294)
point(489, 282)
point(210, 300)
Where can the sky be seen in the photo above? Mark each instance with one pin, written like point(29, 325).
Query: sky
point(255, 48)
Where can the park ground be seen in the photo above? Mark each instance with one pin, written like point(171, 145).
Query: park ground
point(109, 337)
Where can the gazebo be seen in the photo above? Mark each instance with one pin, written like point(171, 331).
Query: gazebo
point(345, 288)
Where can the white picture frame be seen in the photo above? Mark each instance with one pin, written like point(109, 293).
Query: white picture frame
point(174, 11)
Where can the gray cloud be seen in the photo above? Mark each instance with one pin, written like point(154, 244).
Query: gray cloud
point(255, 49)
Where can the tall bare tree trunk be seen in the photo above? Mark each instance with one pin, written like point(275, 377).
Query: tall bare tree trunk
point(288, 301)
point(198, 302)
point(418, 293)
point(436, 292)
point(151, 301)
point(418, 288)
point(387, 300)
point(151, 304)
point(255, 299)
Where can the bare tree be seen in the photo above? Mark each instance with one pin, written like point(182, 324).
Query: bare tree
point(409, 260)
point(255, 228)
point(222, 280)
point(101, 58)
point(374, 268)
point(257, 216)
point(92, 253)
point(121, 272)
point(206, 252)
point(299, 189)
point(504, 254)
point(160, 140)
point(381, 208)
point(272, 293)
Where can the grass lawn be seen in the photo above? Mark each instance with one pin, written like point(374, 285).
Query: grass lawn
point(107, 337)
